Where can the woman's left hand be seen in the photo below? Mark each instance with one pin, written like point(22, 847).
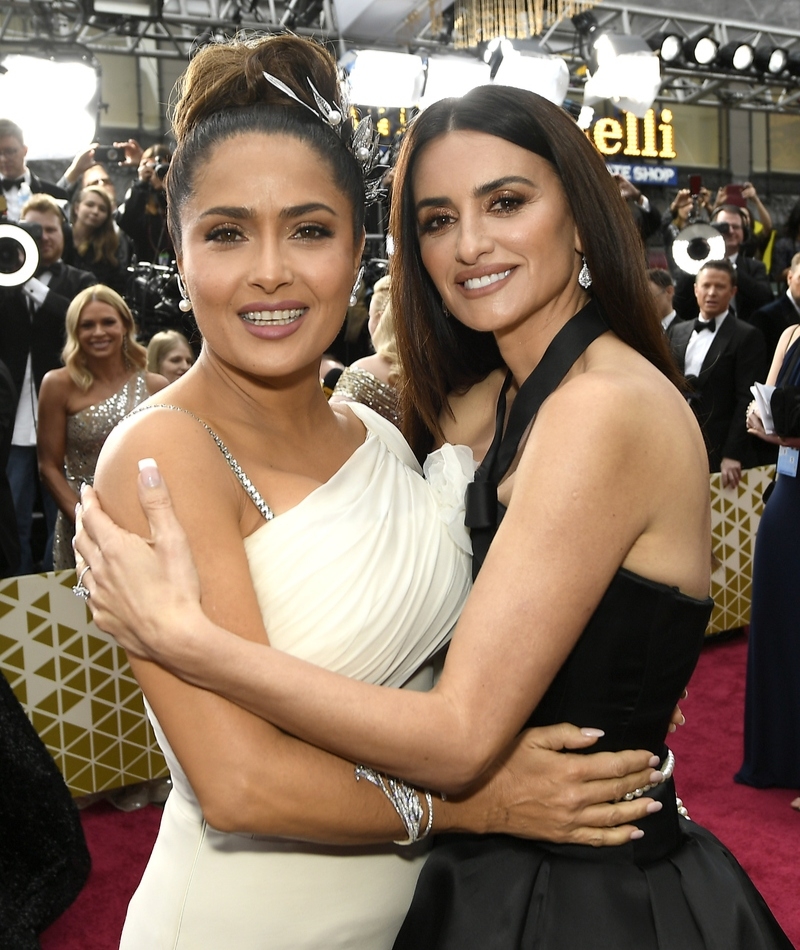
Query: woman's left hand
point(537, 791)
point(138, 589)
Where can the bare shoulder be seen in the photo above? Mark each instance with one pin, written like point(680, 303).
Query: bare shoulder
point(376, 365)
point(58, 381)
point(155, 382)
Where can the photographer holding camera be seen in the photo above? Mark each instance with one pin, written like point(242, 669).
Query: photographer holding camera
point(752, 281)
point(31, 340)
point(143, 213)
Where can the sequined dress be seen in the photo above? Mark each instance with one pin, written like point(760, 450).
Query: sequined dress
point(87, 431)
point(359, 385)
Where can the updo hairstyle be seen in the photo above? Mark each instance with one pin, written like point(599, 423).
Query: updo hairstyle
point(223, 93)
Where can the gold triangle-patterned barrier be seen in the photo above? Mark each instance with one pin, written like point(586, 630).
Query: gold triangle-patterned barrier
point(735, 515)
point(75, 685)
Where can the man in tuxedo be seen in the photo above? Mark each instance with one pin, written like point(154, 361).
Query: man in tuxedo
point(662, 287)
point(773, 319)
point(32, 335)
point(721, 357)
point(17, 182)
point(753, 289)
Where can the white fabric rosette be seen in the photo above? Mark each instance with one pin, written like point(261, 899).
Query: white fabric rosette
point(448, 471)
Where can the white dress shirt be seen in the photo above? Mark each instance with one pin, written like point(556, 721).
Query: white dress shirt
point(699, 344)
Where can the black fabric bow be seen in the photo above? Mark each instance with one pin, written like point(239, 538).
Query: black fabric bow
point(8, 183)
point(705, 325)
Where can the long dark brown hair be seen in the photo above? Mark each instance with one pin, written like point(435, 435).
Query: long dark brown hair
point(441, 355)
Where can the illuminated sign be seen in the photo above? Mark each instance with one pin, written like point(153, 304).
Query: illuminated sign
point(635, 139)
point(645, 174)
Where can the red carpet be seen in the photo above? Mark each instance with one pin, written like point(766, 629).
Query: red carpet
point(757, 825)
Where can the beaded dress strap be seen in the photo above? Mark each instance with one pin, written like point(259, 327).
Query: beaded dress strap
point(255, 496)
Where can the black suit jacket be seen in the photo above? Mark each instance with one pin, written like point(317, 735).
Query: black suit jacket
point(773, 319)
point(44, 335)
point(9, 539)
point(41, 187)
point(721, 392)
point(753, 290)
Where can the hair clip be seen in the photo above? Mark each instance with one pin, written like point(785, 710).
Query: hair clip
point(325, 111)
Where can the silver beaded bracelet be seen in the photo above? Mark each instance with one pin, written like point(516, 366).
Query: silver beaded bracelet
point(404, 799)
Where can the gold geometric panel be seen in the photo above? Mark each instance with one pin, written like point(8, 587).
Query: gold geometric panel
point(735, 516)
point(75, 685)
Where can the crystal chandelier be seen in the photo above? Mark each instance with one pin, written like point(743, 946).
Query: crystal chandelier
point(479, 21)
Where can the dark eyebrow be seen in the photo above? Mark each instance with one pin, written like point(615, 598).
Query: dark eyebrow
point(478, 191)
point(242, 213)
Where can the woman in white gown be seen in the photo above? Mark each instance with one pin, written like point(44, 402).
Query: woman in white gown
point(310, 525)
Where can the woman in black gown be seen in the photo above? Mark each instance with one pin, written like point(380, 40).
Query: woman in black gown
point(772, 697)
point(520, 277)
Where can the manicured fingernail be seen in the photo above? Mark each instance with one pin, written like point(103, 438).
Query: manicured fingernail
point(593, 733)
point(656, 778)
point(149, 473)
point(654, 761)
point(653, 807)
point(636, 835)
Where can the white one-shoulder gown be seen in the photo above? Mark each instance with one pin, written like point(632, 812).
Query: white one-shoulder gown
point(366, 577)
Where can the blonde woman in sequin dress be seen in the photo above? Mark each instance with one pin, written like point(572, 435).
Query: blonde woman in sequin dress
point(373, 380)
point(102, 380)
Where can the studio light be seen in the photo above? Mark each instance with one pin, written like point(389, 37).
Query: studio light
point(380, 78)
point(793, 63)
point(148, 10)
point(701, 50)
point(624, 70)
point(771, 59)
point(738, 56)
point(548, 76)
point(452, 76)
point(58, 95)
point(669, 46)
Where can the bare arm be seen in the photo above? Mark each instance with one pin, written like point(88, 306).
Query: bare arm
point(755, 426)
point(51, 440)
point(448, 737)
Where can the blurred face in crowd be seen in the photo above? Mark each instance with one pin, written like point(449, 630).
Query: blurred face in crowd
point(175, 362)
point(662, 297)
point(794, 282)
point(100, 329)
point(735, 233)
point(12, 157)
point(91, 212)
point(51, 244)
point(97, 175)
point(714, 291)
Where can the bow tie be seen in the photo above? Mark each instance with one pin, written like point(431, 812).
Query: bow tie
point(705, 325)
point(8, 183)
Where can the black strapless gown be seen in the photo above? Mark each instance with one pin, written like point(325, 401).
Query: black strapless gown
point(678, 887)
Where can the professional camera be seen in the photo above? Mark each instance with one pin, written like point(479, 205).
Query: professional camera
point(19, 252)
point(153, 295)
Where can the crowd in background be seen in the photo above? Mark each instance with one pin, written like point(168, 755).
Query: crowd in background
point(88, 237)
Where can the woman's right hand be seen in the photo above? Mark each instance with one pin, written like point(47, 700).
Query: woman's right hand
point(537, 791)
point(139, 589)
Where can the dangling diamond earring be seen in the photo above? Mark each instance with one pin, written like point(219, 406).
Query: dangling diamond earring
point(356, 285)
point(585, 277)
point(445, 311)
point(184, 305)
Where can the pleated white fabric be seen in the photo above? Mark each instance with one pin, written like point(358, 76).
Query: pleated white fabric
point(363, 577)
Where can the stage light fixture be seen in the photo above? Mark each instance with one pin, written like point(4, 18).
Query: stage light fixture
point(546, 75)
point(793, 63)
point(771, 59)
point(669, 46)
point(624, 70)
point(701, 50)
point(452, 76)
point(738, 56)
point(380, 78)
